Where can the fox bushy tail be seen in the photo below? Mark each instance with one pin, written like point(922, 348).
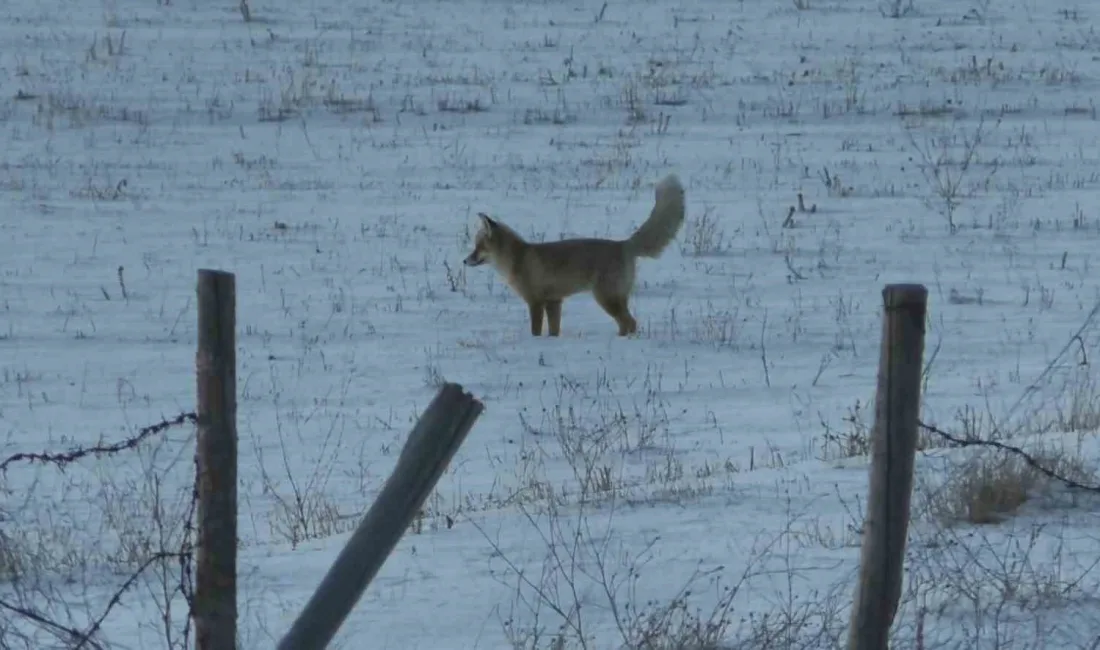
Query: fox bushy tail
point(658, 231)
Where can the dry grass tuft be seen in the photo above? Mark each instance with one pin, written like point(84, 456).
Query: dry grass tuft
point(992, 487)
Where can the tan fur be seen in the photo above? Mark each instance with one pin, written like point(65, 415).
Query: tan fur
point(544, 274)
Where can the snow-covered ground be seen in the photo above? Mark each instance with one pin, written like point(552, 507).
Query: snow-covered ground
point(334, 155)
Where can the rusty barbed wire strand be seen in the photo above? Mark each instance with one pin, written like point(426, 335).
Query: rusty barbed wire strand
point(1012, 449)
point(86, 638)
point(61, 459)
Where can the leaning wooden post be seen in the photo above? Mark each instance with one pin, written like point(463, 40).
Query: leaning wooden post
point(430, 447)
point(215, 607)
point(893, 448)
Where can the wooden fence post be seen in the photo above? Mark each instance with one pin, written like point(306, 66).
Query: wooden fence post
point(215, 606)
point(432, 443)
point(893, 450)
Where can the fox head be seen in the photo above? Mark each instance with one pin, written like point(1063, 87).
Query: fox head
point(484, 242)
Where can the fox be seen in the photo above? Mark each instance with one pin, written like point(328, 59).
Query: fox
point(544, 274)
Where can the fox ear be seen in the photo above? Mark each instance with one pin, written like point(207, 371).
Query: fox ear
point(488, 223)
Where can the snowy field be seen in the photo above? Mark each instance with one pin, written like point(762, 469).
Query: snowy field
point(700, 485)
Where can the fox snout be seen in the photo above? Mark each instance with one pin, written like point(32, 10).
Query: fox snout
point(476, 258)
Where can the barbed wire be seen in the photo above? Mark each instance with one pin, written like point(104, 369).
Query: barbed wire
point(969, 441)
point(86, 638)
point(1077, 336)
point(1012, 449)
point(61, 459)
point(55, 628)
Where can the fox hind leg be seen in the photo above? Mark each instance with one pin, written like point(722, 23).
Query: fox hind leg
point(536, 310)
point(617, 308)
point(553, 316)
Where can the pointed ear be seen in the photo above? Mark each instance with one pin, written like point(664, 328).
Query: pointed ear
point(486, 222)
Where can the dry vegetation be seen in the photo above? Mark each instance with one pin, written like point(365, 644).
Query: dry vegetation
point(986, 542)
point(978, 477)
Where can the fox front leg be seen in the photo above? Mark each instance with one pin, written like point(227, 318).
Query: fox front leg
point(536, 310)
point(553, 315)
